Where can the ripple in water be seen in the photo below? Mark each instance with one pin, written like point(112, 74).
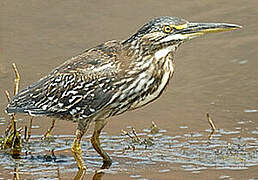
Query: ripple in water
point(192, 150)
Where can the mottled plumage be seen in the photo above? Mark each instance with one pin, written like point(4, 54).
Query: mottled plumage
point(111, 78)
point(77, 89)
point(116, 75)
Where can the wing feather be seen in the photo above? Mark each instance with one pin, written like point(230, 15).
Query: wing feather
point(80, 87)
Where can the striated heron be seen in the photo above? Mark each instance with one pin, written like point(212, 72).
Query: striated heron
point(111, 78)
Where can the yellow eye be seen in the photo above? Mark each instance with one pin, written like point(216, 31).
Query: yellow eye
point(167, 29)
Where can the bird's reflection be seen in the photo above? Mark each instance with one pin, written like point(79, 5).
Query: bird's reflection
point(81, 173)
point(98, 175)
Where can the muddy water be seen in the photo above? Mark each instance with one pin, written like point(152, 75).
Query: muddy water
point(216, 74)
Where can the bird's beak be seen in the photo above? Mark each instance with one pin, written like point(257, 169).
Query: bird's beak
point(192, 30)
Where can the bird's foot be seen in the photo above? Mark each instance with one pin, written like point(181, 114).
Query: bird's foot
point(106, 164)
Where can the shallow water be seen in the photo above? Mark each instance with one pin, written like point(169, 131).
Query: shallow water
point(193, 151)
point(216, 74)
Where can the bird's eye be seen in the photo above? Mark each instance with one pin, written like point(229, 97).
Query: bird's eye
point(167, 29)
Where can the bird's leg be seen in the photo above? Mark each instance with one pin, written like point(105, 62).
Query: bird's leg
point(50, 129)
point(76, 149)
point(99, 125)
point(76, 146)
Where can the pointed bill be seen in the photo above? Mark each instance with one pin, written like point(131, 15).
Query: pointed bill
point(196, 29)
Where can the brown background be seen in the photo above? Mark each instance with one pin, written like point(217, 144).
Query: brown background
point(216, 73)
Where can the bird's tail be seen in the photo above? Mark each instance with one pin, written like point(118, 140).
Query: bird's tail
point(24, 103)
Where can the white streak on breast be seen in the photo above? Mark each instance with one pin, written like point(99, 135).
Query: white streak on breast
point(168, 71)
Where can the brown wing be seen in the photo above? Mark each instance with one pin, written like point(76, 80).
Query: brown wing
point(79, 88)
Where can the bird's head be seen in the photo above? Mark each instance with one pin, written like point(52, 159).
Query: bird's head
point(167, 31)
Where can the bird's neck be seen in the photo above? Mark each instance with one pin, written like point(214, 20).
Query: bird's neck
point(153, 57)
point(148, 74)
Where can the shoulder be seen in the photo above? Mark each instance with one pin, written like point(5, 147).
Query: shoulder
point(100, 58)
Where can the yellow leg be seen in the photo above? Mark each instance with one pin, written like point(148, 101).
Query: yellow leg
point(77, 153)
point(76, 150)
point(99, 125)
point(82, 127)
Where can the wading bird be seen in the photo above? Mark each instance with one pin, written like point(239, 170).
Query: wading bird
point(111, 78)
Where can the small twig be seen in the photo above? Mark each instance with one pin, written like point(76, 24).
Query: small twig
point(16, 174)
point(14, 132)
point(13, 140)
point(154, 128)
point(136, 136)
point(10, 125)
point(58, 174)
point(25, 132)
point(52, 152)
point(127, 134)
point(29, 130)
point(211, 122)
point(16, 89)
point(7, 95)
point(153, 124)
point(17, 79)
point(213, 127)
point(50, 129)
